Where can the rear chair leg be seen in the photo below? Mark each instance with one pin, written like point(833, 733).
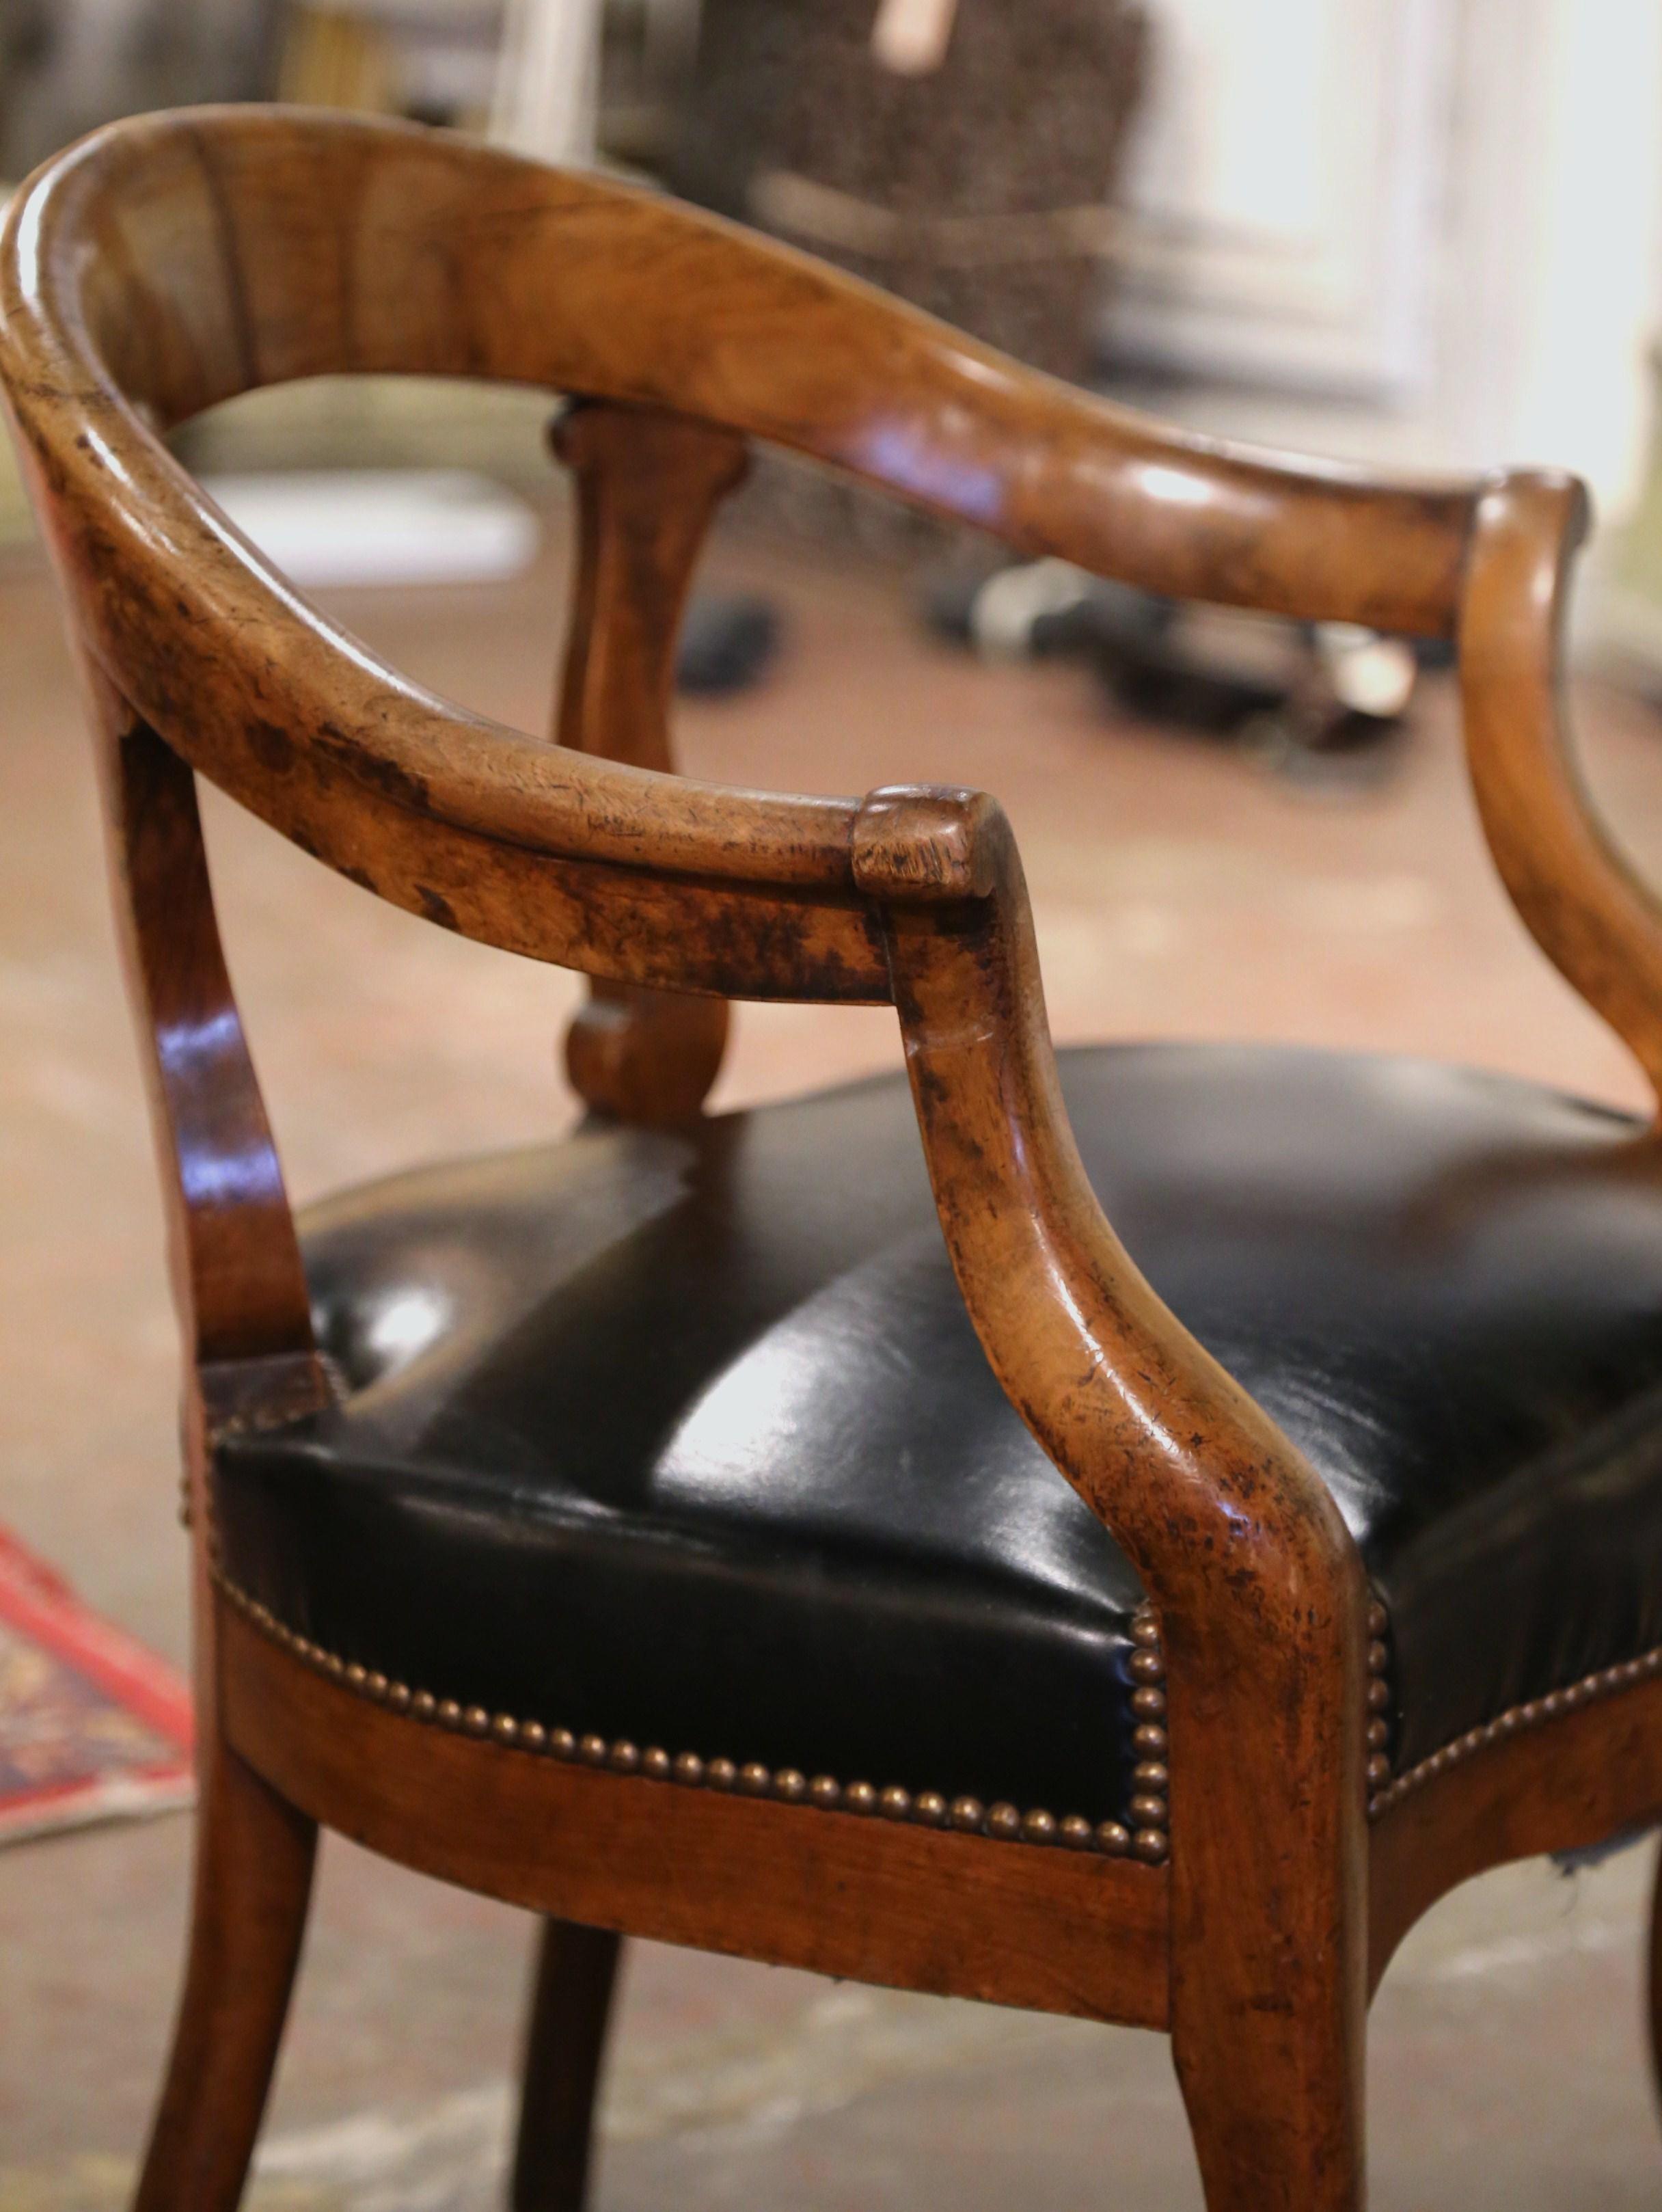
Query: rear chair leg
point(1654, 1983)
point(565, 2045)
point(253, 1882)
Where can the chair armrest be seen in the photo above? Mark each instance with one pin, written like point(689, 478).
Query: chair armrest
point(1214, 1506)
point(1259, 1590)
point(1582, 901)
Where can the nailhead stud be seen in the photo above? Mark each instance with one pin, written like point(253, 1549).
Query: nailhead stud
point(930, 1808)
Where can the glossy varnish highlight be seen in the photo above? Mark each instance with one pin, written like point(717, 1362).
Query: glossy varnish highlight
point(170, 263)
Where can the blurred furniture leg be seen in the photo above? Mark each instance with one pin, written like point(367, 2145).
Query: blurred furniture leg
point(253, 1883)
point(565, 2046)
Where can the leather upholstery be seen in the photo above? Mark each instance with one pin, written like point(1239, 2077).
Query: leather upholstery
point(686, 1437)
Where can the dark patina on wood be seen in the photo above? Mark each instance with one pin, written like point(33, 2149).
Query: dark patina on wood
point(169, 263)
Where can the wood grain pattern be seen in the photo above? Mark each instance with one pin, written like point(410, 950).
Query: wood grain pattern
point(958, 1915)
point(1257, 1584)
point(1575, 1781)
point(171, 262)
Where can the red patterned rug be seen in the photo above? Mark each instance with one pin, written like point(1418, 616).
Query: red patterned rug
point(92, 1725)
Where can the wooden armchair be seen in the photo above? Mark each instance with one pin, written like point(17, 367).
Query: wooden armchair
point(645, 1530)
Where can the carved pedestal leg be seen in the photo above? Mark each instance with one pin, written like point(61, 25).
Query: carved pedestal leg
point(253, 1883)
point(565, 2043)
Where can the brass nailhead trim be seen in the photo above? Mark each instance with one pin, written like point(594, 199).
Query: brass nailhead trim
point(1549, 1707)
point(1377, 1723)
point(1149, 1835)
point(1148, 1842)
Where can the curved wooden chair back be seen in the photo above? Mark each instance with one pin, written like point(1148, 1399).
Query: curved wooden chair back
point(170, 263)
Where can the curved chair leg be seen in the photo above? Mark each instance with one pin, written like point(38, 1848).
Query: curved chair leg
point(1276, 2110)
point(253, 1883)
point(565, 2044)
point(1269, 2009)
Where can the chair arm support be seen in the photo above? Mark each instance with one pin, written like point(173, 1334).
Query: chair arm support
point(1259, 1589)
point(1214, 1506)
point(1596, 921)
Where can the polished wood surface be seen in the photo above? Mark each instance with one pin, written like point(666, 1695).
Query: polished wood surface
point(1238, 1543)
point(1587, 908)
point(565, 2047)
point(173, 261)
point(1583, 1777)
point(254, 1855)
point(647, 485)
point(861, 1898)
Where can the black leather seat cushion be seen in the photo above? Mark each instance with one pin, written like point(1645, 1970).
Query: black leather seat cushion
point(686, 1438)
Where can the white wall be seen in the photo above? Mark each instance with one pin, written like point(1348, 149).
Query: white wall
point(1442, 215)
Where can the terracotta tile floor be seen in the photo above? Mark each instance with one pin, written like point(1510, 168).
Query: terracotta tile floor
point(1181, 891)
